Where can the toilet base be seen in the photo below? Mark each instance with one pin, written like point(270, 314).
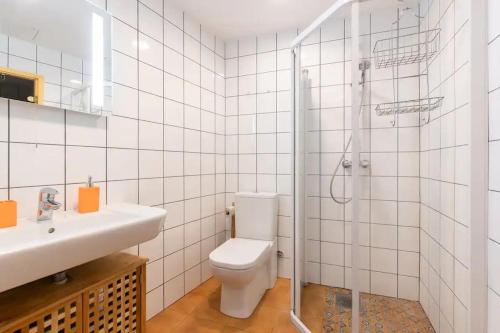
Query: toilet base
point(240, 302)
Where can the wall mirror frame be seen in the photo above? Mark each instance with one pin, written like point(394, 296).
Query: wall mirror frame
point(57, 53)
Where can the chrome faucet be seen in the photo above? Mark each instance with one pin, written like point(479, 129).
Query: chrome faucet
point(47, 204)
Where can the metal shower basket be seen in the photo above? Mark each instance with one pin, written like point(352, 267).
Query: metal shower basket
point(406, 49)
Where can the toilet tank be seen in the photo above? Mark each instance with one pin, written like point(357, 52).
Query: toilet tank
point(256, 215)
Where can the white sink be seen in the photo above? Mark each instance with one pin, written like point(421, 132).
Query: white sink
point(33, 250)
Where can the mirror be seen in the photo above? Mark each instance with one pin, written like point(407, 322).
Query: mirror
point(56, 53)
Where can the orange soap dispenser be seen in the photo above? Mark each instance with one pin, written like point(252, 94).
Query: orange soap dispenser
point(88, 198)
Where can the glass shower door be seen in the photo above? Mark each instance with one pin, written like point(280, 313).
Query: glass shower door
point(325, 203)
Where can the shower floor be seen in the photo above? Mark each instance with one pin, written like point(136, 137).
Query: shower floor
point(326, 309)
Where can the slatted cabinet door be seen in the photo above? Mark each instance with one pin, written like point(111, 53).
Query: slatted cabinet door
point(107, 295)
point(65, 317)
point(115, 306)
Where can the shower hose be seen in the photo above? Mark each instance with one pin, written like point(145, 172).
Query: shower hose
point(342, 158)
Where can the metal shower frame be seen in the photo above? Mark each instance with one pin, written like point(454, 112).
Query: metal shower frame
point(478, 89)
point(297, 186)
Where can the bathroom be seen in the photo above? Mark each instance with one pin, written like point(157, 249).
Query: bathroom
point(259, 166)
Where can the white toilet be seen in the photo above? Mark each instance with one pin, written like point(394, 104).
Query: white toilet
point(248, 264)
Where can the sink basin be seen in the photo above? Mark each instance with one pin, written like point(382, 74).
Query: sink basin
point(33, 250)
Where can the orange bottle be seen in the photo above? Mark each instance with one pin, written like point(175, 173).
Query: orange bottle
point(88, 198)
point(8, 213)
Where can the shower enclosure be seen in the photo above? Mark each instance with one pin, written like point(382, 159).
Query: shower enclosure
point(370, 83)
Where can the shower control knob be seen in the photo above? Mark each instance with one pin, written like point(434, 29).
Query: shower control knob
point(346, 164)
point(364, 164)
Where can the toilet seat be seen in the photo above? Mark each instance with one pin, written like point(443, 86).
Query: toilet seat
point(240, 253)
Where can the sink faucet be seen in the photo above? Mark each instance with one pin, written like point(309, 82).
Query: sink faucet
point(47, 204)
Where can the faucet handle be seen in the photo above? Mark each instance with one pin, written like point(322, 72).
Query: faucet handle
point(47, 203)
point(49, 191)
point(47, 196)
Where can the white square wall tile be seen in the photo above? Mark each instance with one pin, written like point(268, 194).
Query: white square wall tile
point(173, 290)
point(122, 132)
point(150, 79)
point(266, 43)
point(408, 288)
point(173, 240)
point(21, 48)
point(150, 164)
point(151, 192)
point(173, 37)
point(125, 70)
point(154, 275)
point(285, 38)
point(123, 39)
point(174, 189)
point(117, 158)
point(247, 46)
point(192, 233)
point(123, 191)
point(45, 167)
point(125, 101)
point(247, 65)
point(173, 265)
point(124, 10)
point(175, 216)
point(156, 5)
point(82, 162)
point(192, 278)
point(192, 48)
point(150, 135)
point(150, 22)
point(152, 249)
point(154, 302)
point(384, 284)
point(35, 124)
point(192, 255)
point(383, 260)
point(266, 62)
point(150, 107)
point(173, 138)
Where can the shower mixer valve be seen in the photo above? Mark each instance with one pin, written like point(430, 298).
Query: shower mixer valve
point(347, 164)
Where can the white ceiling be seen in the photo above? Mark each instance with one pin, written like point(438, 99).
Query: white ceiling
point(229, 19)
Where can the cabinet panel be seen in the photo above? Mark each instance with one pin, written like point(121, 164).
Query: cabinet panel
point(61, 318)
point(115, 305)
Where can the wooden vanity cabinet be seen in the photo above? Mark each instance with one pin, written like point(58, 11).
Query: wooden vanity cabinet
point(105, 295)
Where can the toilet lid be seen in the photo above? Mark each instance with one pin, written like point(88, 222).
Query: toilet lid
point(239, 253)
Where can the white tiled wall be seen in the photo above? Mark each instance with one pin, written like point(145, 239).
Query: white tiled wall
point(258, 126)
point(164, 146)
point(258, 146)
point(445, 169)
point(494, 154)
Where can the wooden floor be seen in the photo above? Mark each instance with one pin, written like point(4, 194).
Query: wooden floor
point(198, 311)
point(324, 309)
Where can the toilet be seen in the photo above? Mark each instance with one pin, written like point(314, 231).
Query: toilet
point(247, 265)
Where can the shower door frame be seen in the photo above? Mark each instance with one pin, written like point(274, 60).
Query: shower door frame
point(298, 186)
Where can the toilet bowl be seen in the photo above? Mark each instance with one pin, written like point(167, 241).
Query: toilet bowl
point(247, 264)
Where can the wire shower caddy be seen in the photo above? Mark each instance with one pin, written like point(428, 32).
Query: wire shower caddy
point(406, 50)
